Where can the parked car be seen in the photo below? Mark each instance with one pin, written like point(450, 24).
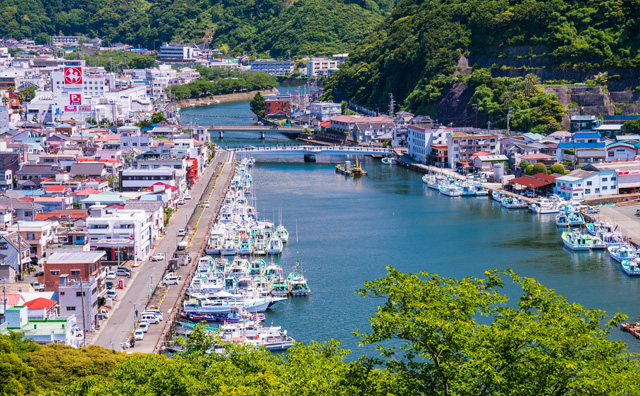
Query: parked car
point(111, 275)
point(206, 204)
point(171, 279)
point(182, 232)
point(157, 257)
point(109, 284)
point(112, 294)
point(181, 202)
point(249, 147)
point(122, 271)
point(187, 196)
point(151, 318)
point(143, 325)
point(138, 335)
point(183, 245)
point(38, 286)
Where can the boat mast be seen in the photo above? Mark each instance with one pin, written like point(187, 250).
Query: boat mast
point(298, 252)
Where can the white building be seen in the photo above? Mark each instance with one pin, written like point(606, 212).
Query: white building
point(320, 66)
point(78, 297)
point(120, 224)
point(324, 111)
point(131, 137)
point(423, 142)
point(582, 184)
point(141, 179)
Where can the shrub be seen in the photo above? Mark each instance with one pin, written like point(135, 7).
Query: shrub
point(557, 168)
point(539, 168)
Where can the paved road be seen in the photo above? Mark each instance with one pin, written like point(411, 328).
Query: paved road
point(136, 294)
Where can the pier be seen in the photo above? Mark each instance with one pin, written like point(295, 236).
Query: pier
point(143, 289)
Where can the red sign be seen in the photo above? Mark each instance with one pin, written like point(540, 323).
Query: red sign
point(70, 108)
point(73, 75)
point(75, 99)
point(84, 108)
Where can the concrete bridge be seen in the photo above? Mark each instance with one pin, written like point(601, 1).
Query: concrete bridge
point(292, 131)
point(310, 152)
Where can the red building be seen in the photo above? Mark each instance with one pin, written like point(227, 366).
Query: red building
point(78, 266)
point(277, 108)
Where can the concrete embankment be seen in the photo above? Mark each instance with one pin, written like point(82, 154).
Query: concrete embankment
point(229, 98)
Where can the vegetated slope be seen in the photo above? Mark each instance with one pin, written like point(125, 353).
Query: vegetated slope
point(252, 25)
point(413, 54)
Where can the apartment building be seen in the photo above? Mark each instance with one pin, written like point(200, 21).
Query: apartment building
point(38, 234)
point(273, 67)
point(462, 145)
point(124, 232)
point(318, 67)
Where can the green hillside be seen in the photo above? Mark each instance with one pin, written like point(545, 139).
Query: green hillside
point(279, 26)
point(414, 53)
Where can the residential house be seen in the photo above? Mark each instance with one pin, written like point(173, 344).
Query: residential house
point(277, 106)
point(15, 251)
point(583, 184)
point(428, 145)
point(626, 174)
point(155, 210)
point(584, 123)
point(88, 169)
point(127, 232)
point(80, 299)
point(107, 198)
point(324, 111)
point(38, 234)
point(77, 266)
point(140, 179)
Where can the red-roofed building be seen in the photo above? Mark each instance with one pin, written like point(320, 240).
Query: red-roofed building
point(12, 299)
point(54, 190)
point(41, 308)
point(532, 183)
point(546, 159)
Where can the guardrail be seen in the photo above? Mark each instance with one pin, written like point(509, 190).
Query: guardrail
point(314, 149)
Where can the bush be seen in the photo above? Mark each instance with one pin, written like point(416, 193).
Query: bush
point(539, 168)
point(557, 168)
point(529, 169)
point(523, 165)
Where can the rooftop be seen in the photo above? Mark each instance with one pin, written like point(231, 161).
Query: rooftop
point(75, 258)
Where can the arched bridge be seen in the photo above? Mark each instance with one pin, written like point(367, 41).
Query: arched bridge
point(293, 130)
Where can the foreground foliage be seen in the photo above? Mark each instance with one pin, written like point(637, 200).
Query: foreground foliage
point(436, 335)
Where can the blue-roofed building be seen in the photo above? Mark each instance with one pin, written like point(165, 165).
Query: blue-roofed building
point(586, 137)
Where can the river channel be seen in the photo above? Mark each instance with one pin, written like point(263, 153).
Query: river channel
point(350, 230)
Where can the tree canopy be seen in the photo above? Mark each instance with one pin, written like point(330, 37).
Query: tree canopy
point(214, 81)
point(258, 105)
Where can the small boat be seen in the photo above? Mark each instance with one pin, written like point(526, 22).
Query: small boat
point(623, 252)
point(350, 169)
point(481, 191)
point(388, 161)
point(576, 219)
point(513, 203)
point(497, 196)
point(468, 190)
point(562, 220)
point(631, 267)
point(208, 103)
point(282, 233)
point(450, 190)
point(274, 246)
point(192, 105)
point(297, 285)
point(431, 181)
point(245, 246)
point(576, 241)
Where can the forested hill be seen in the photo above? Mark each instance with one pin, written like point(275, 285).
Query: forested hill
point(278, 26)
point(414, 53)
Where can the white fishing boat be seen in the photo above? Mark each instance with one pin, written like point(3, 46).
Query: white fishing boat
point(497, 196)
point(576, 241)
point(388, 161)
point(431, 181)
point(631, 267)
point(562, 220)
point(450, 190)
point(623, 252)
point(282, 233)
point(274, 246)
point(513, 203)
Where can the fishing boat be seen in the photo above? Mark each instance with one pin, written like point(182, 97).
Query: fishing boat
point(450, 190)
point(562, 220)
point(576, 241)
point(623, 252)
point(279, 288)
point(252, 333)
point(576, 219)
point(245, 246)
point(513, 203)
point(274, 246)
point(631, 267)
point(497, 196)
point(260, 247)
point(611, 238)
point(468, 190)
point(431, 181)
point(388, 161)
point(480, 190)
point(296, 282)
point(282, 233)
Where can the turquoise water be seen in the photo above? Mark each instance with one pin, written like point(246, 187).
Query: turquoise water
point(350, 230)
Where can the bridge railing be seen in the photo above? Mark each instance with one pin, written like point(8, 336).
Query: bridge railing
point(294, 147)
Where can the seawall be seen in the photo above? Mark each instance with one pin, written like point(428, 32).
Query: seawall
point(228, 98)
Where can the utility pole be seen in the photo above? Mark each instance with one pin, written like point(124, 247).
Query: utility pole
point(84, 316)
point(392, 104)
point(508, 119)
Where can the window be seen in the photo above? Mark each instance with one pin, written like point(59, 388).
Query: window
point(587, 191)
point(55, 273)
point(62, 293)
point(71, 308)
point(604, 187)
point(80, 294)
point(604, 179)
point(613, 179)
point(31, 235)
point(575, 194)
point(597, 190)
point(589, 183)
point(75, 273)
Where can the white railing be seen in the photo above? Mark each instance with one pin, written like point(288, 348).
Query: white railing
point(314, 149)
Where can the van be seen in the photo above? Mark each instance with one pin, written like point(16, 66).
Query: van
point(123, 271)
point(156, 312)
point(182, 232)
point(112, 294)
point(151, 318)
point(170, 279)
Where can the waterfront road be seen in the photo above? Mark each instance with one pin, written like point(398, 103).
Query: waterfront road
point(117, 329)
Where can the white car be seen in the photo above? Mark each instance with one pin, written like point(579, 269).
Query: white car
point(206, 204)
point(156, 312)
point(187, 196)
point(171, 279)
point(143, 325)
point(111, 275)
point(157, 257)
point(182, 232)
point(138, 335)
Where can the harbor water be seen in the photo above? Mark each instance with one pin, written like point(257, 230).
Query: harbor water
point(350, 230)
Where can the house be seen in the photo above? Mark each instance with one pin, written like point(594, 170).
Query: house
point(581, 153)
point(273, 67)
point(88, 169)
point(141, 179)
point(77, 266)
point(324, 111)
point(582, 184)
point(107, 198)
point(79, 299)
point(533, 159)
point(53, 203)
point(486, 162)
point(21, 208)
point(462, 145)
point(38, 234)
point(277, 106)
point(584, 123)
point(531, 137)
point(360, 127)
point(155, 210)
point(41, 309)
point(15, 251)
point(34, 173)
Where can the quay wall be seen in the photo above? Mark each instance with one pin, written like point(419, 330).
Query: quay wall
point(228, 98)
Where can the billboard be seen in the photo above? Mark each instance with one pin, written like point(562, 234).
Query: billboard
point(73, 76)
point(75, 99)
point(70, 108)
point(84, 108)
